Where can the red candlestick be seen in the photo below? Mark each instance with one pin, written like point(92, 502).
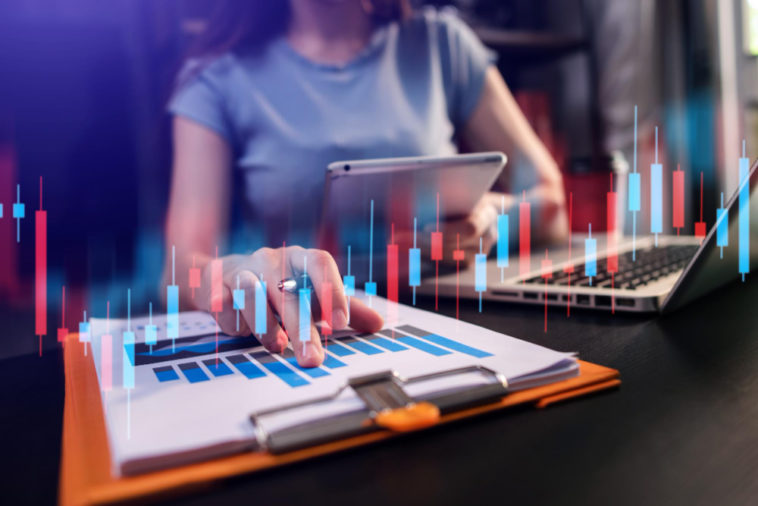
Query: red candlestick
point(524, 229)
point(677, 211)
point(40, 271)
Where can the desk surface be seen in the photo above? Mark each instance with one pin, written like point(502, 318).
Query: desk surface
point(682, 429)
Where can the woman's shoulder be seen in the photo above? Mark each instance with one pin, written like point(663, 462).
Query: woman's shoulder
point(444, 22)
point(214, 69)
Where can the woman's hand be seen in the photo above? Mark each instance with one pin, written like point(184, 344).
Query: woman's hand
point(271, 266)
point(482, 222)
point(464, 234)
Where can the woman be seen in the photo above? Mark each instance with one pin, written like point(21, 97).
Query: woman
point(279, 90)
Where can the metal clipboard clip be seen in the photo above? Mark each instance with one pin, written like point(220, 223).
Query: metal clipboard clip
point(387, 406)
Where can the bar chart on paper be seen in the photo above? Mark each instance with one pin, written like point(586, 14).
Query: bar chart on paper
point(202, 355)
point(189, 393)
point(193, 359)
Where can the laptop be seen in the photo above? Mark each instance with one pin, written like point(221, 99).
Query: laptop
point(654, 275)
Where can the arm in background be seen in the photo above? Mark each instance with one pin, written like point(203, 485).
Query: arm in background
point(497, 124)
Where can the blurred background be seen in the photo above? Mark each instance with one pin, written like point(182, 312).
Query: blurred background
point(85, 82)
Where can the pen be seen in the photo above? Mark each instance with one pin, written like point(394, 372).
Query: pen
point(290, 285)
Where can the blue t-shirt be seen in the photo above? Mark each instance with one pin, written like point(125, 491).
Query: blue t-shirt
point(407, 93)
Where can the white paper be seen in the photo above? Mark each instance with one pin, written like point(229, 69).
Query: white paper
point(164, 419)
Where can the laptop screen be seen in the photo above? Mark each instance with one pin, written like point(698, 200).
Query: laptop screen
point(727, 252)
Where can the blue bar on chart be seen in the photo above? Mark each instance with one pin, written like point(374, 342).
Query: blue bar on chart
point(217, 367)
point(193, 373)
point(238, 301)
point(502, 240)
point(656, 199)
point(370, 286)
point(634, 192)
point(480, 273)
point(414, 264)
point(19, 208)
point(722, 227)
point(19, 211)
point(172, 310)
point(247, 368)
point(414, 267)
point(331, 362)
point(280, 370)
point(172, 301)
point(423, 346)
point(313, 372)
point(590, 253)
point(128, 362)
point(743, 226)
point(445, 342)
point(360, 345)
point(165, 373)
point(260, 307)
point(383, 342)
point(349, 281)
point(84, 331)
point(151, 331)
point(656, 194)
point(339, 350)
point(304, 320)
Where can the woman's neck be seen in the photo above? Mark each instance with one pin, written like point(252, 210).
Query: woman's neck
point(329, 31)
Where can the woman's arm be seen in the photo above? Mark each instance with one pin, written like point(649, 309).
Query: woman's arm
point(198, 209)
point(497, 124)
point(198, 218)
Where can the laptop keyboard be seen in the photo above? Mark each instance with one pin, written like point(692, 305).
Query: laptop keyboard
point(651, 265)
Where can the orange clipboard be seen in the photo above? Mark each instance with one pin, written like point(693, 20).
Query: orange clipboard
point(85, 476)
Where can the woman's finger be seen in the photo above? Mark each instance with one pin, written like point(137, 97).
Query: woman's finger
point(304, 338)
point(364, 318)
point(273, 339)
point(327, 284)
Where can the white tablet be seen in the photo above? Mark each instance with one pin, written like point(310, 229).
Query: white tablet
point(402, 189)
